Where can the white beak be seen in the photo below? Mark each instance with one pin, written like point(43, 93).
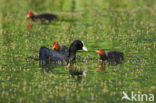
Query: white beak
point(84, 48)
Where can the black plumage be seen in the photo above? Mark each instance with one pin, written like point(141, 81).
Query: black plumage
point(112, 56)
point(49, 17)
point(41, 17)
point(47, 54)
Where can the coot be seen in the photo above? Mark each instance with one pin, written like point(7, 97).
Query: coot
point(45, 16)
point(112, 56)
point(46, 54)
point(61, 48)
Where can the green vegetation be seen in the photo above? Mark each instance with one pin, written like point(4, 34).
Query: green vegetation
point(123, 25)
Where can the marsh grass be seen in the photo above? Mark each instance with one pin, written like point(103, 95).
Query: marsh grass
point(127, 26)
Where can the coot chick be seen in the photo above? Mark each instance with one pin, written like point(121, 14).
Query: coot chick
point(61, 48)
point(46, 54)
point(41, 17)
point(112, 57)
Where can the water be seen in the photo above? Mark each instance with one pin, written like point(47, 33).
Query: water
point(126, 26)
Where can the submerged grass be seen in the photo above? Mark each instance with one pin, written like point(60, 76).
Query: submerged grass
point(127, 26)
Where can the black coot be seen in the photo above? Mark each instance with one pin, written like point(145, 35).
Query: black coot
point(113, 56)
point(46, 16)
point(46, 54)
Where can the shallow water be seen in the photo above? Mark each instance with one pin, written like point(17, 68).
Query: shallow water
point(128, 27)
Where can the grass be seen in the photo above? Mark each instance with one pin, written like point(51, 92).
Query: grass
point(127, 26)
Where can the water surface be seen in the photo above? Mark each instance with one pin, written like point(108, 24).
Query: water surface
point(126, 26)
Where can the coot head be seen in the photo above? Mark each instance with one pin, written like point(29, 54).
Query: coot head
point(56, 46)
point(30, 14)
point(74, 47)
point(102, 52)
point(78, 45)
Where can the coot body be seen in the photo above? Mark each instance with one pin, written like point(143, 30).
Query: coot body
point(41, 17)
point(112, 56)
point(46, 54)
point(52, 55)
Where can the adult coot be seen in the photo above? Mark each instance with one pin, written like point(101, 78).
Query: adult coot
point(113, 56)
point(42, 17)
point(46, 54)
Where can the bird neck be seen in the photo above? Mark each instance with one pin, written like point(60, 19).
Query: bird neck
point(104, 56)
point(72, 53)
point(33, 16)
